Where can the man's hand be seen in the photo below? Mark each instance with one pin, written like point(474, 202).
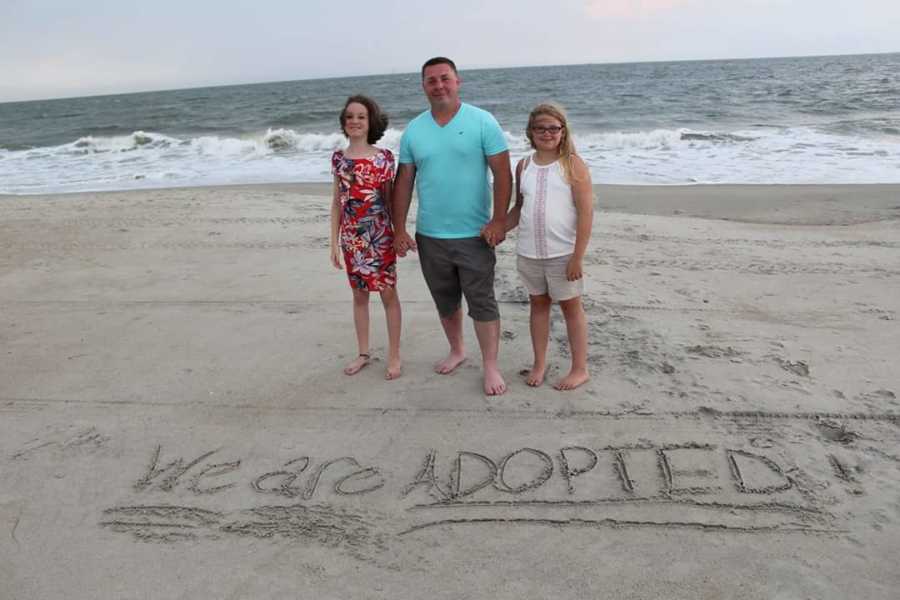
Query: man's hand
point(403, 243)
point(573, 269)
point(494, 232)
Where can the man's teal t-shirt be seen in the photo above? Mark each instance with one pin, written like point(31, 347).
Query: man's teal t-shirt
point(452, 171)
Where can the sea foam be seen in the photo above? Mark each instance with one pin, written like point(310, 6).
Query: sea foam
point(764, 154)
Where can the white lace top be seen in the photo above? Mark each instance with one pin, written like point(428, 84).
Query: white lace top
point(548, 220)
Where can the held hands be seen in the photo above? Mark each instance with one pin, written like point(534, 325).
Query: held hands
point(494, 232)
point(403, 243)
point(573, 269)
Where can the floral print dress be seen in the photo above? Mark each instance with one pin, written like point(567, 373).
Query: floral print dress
point(366, 233)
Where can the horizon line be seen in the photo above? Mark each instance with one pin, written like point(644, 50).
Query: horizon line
point(462, 70)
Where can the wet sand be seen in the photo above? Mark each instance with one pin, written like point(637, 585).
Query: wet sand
point(174, 422)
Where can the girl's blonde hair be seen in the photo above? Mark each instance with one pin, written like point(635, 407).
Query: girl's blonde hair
point(566, 145)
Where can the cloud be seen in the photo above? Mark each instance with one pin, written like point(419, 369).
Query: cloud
point(82, 71)
point(629, 9)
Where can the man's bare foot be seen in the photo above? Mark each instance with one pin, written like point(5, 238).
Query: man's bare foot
point(394, 369)
point(493, 382)
point(535, 376)
point(449, 364)
point(357, 365)
point(572, 380)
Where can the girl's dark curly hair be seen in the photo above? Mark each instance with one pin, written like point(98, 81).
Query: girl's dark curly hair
point(378, 121)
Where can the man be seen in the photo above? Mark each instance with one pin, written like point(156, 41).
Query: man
point(446, 151)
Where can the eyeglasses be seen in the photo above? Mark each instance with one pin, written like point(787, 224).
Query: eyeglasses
point(542, 130)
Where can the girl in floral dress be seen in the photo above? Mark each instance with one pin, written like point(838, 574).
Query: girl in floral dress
point(361, 231)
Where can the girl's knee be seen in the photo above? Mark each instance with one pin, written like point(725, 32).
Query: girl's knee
point(389, 295)
point(542, 302)
point(572, 306)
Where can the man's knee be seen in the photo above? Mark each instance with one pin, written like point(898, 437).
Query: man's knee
point(482, 304)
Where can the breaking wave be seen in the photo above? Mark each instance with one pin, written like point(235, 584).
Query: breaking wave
point(760, 154)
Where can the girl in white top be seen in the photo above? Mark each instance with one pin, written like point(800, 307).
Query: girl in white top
point(554, 212)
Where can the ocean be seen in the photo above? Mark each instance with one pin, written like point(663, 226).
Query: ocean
point(833, 119)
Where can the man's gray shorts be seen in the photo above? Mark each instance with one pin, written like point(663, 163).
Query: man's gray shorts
point(456, 267)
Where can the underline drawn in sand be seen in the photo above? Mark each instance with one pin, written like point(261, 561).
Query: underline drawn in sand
point(353, 505)
point(19, 404)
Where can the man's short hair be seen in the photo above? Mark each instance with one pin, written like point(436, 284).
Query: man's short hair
point(439, 60)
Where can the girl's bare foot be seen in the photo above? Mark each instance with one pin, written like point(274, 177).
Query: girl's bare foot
point(535, 376)
point(449, 364)
point(572, 380)
point(357, 365)
point(394, 369)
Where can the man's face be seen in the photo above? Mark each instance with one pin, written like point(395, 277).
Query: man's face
point(441, 85)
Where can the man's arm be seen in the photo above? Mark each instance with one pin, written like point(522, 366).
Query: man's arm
point(402, 197)
point(495, 231)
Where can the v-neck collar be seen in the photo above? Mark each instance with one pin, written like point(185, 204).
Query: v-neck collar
point(453, 118)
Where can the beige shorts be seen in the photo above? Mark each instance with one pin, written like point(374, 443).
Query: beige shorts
point(547, 276)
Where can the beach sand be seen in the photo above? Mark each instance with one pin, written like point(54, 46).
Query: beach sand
point(174, 422)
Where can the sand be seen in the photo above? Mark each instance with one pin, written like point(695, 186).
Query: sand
point(174, 422)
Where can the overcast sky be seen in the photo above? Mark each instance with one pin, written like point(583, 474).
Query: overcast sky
point(57, 48)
